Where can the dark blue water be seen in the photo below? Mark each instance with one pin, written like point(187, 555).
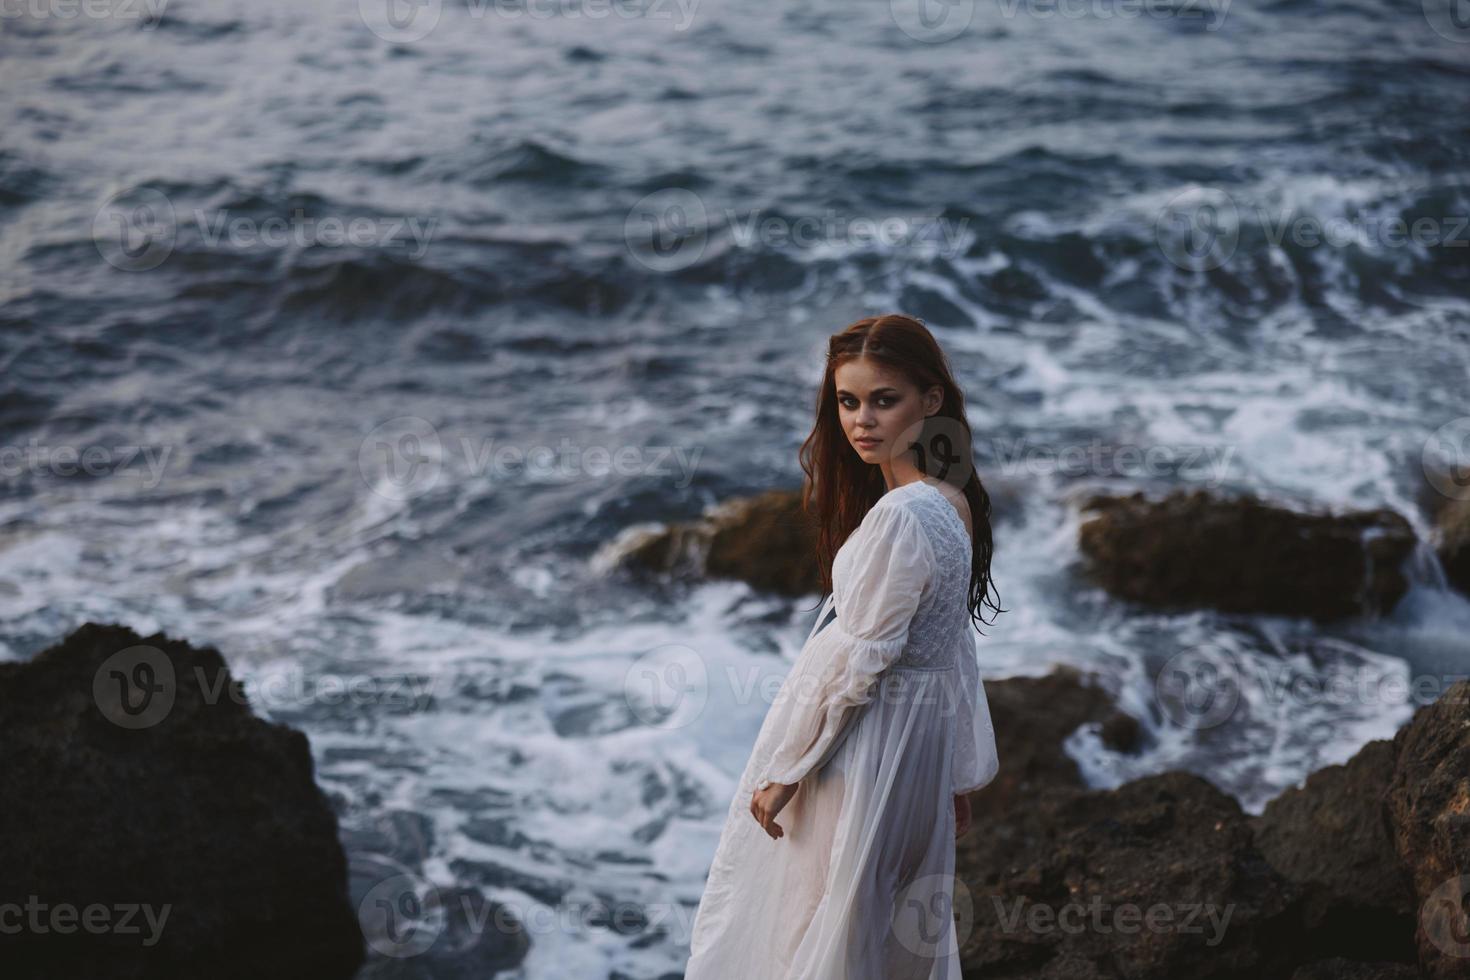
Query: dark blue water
point(377, 347)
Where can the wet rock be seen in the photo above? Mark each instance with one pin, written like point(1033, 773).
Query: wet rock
point(1191, 549)
point(136, 776)
point(1355, 873)
point(1331, 836)
point(766, 541)
point(1121, 732)
point(1428, 804)
point(1159, 878)
point(1453, 543)
point(1341, 969)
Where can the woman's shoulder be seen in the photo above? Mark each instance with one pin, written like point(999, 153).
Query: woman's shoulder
point(936, 513)
point(901, 514)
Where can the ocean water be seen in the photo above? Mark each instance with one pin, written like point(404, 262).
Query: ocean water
point(377, 327)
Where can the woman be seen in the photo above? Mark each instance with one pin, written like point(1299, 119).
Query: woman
point(881, 728)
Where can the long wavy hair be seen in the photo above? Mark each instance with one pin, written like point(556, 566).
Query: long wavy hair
point(840, 487)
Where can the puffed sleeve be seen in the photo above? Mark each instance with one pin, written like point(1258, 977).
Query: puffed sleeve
point(976, 761)
point(881, 585)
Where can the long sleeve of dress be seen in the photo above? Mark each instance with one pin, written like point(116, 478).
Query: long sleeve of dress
point(976, 761)
point(876, 596)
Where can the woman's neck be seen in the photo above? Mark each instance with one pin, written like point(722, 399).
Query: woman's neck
point(899, 473)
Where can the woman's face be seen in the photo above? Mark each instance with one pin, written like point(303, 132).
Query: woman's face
point(875, 404)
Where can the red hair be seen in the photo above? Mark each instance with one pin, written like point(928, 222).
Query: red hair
point(840, 487)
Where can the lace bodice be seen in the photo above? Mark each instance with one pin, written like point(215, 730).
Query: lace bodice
point(942, 622)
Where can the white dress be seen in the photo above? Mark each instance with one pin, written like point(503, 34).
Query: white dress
point(882, 720)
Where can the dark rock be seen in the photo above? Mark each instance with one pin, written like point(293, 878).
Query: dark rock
point(1121, 732)
point(1243, 555)
point(1330, 881)
point(167, 796)
point(1159, 878)
point(1428, 802)
point(1331, 836)
point(1453, 544)
point(1341, 969)
point(766, 541)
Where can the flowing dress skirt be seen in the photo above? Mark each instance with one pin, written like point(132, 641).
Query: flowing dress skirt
point(861, 885)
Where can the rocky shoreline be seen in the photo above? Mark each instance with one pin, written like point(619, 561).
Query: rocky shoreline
point(138, 777)
point(1354, 875)
point(211, 816)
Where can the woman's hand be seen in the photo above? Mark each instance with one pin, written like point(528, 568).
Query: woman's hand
point(766, 803)
point(961, 815)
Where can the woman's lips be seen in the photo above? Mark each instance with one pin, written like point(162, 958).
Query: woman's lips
point(867, 443)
